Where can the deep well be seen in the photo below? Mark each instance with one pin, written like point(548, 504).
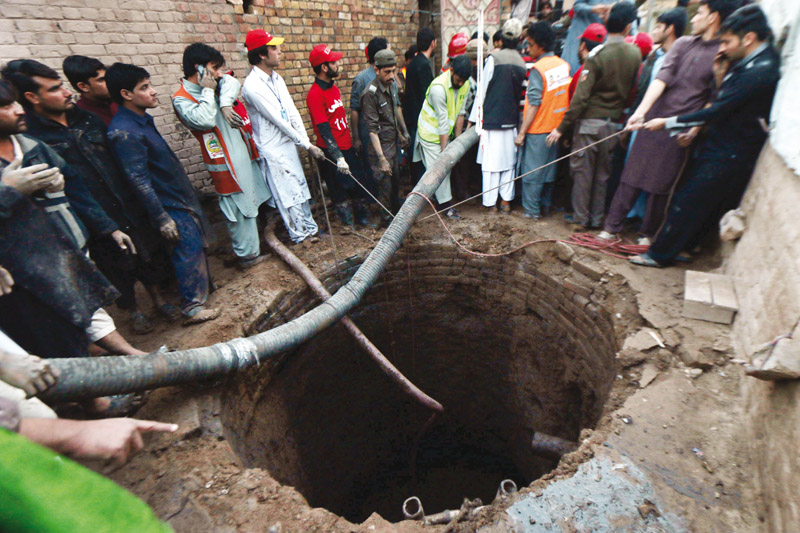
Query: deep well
point(506, 349)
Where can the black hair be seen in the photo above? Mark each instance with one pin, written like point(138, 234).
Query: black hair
point(254, 55)
point(121, 76)
point(723, 8)
point(485, 36)
point(545, 3)
point(20, 73)
point(543, 35)
point(498, 36)
point(411, 52)
point(590, 45)
point(744, 20)
point(78, 69)
point(509, 43)
point(683, 3)
point(675, 17)
point(8, 93)
point(425, 37)
point(462, 66)
point(620, 15)
point(200, 54)
point(375, 45)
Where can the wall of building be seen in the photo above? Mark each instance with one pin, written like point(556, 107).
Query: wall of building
point(154, 33)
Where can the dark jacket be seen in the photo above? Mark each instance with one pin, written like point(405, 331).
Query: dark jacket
point(72, 210)
point(152, 168)
point(501, 103)
point(419, 76)
point(85, 147)
point(57, 288)
point(605, 85)
point(734, 117)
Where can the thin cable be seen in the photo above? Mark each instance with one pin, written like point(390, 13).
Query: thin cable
point(619, 248)
point(348, 173)
point(328, 221)
point(523, 175)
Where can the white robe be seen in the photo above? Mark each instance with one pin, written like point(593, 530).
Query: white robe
point(277, 138)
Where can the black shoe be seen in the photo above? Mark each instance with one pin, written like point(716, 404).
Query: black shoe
point(452, 213)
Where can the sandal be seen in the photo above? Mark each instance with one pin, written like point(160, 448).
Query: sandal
point(172, 312)
point(140, 324)
point(645, 260)
point(203, 315)
point(683, 257)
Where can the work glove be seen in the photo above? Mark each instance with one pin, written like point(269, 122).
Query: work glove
point(316, 152)
point(28, 180)
point(169, 230)
point(342, 166)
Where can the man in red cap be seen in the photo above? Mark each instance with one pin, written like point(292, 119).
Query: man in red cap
point(277, 130)
point(329, 119)
point(594, 36)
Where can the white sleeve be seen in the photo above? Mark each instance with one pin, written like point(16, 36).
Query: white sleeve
point(229, 88)
point(488, 71)
point(259, 104)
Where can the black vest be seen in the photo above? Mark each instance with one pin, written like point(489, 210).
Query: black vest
point(501, 103)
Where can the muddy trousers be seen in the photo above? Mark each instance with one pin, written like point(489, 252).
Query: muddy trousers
point(711, 187)
point(190, 262)
point(624, 199)
point(591, 169)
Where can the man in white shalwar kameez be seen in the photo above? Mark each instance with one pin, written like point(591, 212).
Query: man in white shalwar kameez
point(226, 145)
point(278, 130)
point(503, 74)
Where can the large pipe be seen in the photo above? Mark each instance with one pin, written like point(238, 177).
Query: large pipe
point(99, 376)
point(551, 446)
point(370, 349)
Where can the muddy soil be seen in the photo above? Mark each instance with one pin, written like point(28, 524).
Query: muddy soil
point(681, 397)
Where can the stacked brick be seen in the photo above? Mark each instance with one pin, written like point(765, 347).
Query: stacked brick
point(154, 33)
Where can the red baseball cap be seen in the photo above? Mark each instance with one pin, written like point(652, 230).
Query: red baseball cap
point(594, 32)
point(643, 41)
point(321, 54)
point(258, 38)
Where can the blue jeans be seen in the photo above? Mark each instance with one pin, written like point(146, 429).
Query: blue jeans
point(189, 260)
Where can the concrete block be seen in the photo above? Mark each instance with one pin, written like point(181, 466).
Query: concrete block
point(709, 297)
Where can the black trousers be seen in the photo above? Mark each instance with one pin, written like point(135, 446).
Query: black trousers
point(711, 186)
point(342, 187)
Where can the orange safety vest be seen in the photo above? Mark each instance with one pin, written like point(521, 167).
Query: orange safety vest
point(215, 152)
point(555, 99)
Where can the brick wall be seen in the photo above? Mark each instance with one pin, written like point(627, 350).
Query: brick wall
point(154, 33)
point(766, 267)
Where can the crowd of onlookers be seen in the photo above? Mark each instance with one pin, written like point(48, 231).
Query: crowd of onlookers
point(663, 128)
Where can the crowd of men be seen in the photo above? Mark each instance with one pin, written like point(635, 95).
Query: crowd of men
point(664, 127)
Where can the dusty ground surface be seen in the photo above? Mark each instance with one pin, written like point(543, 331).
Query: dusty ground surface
point(666, 402)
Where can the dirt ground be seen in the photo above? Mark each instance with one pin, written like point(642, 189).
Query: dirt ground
point(666, 402)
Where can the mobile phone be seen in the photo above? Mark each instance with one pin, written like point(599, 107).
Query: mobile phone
point(201, 70)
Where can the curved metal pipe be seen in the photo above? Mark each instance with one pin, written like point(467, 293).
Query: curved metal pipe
point(412, 509)
point(507, 488)
point(551, 446)
point(99, 376)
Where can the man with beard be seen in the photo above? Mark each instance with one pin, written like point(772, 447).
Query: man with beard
point(328, 117)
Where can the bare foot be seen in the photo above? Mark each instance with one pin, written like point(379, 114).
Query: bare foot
point(27, 372)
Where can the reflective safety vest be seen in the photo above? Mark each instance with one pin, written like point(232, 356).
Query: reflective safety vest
point(428, 124)
point(214, 150)
point(555, 98)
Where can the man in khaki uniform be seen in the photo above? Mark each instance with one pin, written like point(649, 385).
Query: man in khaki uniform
point(387, 129)
point(595, 112)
